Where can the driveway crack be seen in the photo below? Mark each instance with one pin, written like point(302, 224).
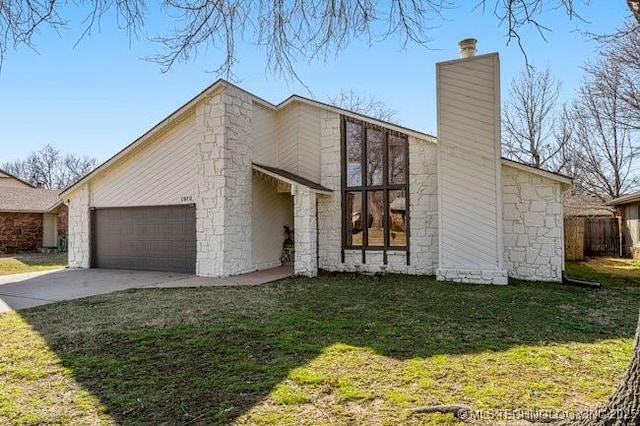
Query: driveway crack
point(28, 297)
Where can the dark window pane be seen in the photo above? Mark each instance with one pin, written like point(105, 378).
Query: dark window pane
point(354, 154)
point(354, 223)
point(397, 219)
point(375, 146)
point(397, 160)
point(375, 206)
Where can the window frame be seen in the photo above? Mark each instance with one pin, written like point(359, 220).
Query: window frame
point(386, 187)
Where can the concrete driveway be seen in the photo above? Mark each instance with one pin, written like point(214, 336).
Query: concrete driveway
point(23, 291)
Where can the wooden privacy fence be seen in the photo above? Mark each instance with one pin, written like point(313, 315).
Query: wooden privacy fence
point(591, 236)
point(574, 238)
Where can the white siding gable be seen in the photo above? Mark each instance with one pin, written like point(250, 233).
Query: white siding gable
point(160, 172)
point(264, 135)
point(298, 145)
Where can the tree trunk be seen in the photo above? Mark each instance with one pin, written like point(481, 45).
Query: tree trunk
point(623, 407)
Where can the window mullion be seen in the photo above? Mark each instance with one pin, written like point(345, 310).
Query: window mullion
point(345, 214)
point(365, 209)
point(385, 192)
point(407, 198)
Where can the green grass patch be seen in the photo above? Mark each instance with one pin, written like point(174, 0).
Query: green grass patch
point(18, 264)
point(607, 270)
point(338, 349)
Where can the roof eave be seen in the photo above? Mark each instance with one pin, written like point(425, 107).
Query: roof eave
point(627, 199)
point(23, 211)
point(158, 128)
point(342, 111)
point(17, 178)
point(55, 205)
point(566, 180)
point(261, 169)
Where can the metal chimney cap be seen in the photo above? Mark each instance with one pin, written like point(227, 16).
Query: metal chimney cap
point(467, 47)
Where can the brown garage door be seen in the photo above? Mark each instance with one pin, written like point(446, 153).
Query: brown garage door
point(159, 238)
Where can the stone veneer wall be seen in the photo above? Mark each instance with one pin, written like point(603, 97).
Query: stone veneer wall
point(423, 188)
point(423, 210)
point(79, 242)
point(532, 225)
point(20, 232)
point(304, 219)
point(223, 203)
point(329, 209)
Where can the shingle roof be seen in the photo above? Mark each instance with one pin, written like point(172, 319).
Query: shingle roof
point(586, 205)
point(27, 200)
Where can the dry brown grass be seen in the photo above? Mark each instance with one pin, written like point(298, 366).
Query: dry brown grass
point(31, 262)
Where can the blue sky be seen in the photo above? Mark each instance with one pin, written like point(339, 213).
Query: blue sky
point(97, 97)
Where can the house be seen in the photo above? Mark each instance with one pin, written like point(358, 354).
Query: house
point(628, 208)
point(30, 218)
point(209, 189)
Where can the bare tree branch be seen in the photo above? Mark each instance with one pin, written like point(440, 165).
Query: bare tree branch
point(606, 148)
point(532, 133)
point(49, 168)
point(365, 105)
point(288, 31)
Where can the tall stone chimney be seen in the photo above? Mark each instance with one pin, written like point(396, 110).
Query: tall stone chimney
point(469, 168)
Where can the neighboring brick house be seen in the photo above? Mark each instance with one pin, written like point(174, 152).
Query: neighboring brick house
point(209, 189)
point(30, 218)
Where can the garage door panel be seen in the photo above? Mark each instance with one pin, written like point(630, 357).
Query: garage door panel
point(149, 238)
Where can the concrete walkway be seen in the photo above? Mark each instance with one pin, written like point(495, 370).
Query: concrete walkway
point(22, 291)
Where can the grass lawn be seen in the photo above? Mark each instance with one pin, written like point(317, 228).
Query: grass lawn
point(334, 350)
point(19, 263)
point(607, 270)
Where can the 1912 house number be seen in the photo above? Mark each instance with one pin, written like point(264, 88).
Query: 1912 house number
point(186, 199)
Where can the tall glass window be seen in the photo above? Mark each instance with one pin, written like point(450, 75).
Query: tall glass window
point(375, 186)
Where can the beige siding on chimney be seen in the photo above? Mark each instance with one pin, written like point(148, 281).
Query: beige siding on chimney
point(161, 172)
point(469, 171)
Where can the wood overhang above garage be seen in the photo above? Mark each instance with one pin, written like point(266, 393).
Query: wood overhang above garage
point(290, 178)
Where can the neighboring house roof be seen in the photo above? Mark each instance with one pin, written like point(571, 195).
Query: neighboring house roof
point(220, 83)
point(625, 199)
point(27, 200)
point(5, 174)
point(586, 205)
point(290, 178)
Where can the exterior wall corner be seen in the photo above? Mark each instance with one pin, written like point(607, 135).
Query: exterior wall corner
point(305, 232)
point(79, 228)
point(533, 226)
